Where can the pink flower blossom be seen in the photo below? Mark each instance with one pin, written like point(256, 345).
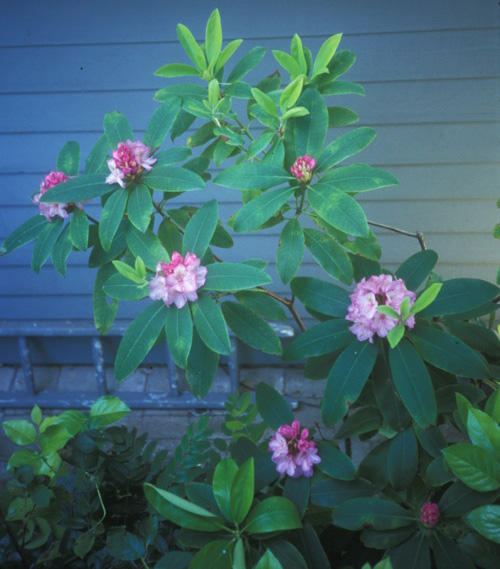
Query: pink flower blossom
point(292, 452)
point(378, 290)
point(303, 167)
point(429, 514)
point(177, 282)
point(129, 160)
point(50, 210)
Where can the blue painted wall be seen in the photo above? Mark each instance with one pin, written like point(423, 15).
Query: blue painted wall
point(430, 70)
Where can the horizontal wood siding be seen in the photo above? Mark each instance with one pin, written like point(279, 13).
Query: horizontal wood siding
point(430, 70)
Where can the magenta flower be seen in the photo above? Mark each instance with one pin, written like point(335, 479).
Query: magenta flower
point(50, 210)
point(429, 514)
point(177, 282)
point(378, 290)
point(129, 160)
point(303, 167)
point(292, 452)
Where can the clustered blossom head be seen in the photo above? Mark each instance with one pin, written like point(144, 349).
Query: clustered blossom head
point(177, 282)
point(129, 160)
point(378, 290)
point(50, 210)
point(429, 514)
point(292, 452)
point(303, 167)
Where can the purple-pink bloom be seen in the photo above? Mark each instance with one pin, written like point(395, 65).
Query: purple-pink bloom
point(303, 167)
point(50, 210)
point(293, 453)
point(378, 290)
point(129, 160)
point(429, 514)
point(177, 282)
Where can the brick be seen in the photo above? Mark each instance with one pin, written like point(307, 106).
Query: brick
point(77, 378)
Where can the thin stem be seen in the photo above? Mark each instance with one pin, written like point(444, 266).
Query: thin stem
point(288, 303)
point(15, 543)
point(418, 235)
point(159, 210)
point(244, 128)
point(143, 561)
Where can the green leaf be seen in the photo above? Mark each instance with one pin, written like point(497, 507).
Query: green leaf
point(325, 53)
point(364, 420)
point(200, 229)
point(210, 325)
point(25, 233)
point(177, 70)
point(330, 256)
point(265, 102)
point(224, 474)
point(297, 52)
point(20, 431)
point(68, 160)
point(388, 311)
point(395, 335)
point(288, 63)
point(474, 466)
point(273, 514)
point(403, 459)
point(191, 47)
point(486, 521)
point(173, 179)
point(297, 490)
point(340, 116)
point(291, 93)
point(128, 272)
point(36, 415)
point(331, 493)
point(259, 144)
point(344, 146)
point(413, 383)
point(359, 178)
point(341, 62)
point(161, 122)
point(147, 246)
point(83, 544)
point(97, 156)
point(139, 339)
point(290, 250)
point(346, 380)
point(447, 352)
point(272, 407)
point(226, 277)
point(104, 312)
point(320, 339)
point(483, 431)
point(106, 410)
point(379, 514)
point(333, 87)
point(121, 288)
point(257, 211)
point(268, 561)
point(181, 503)
point(124, 545)
point(79, 230)
point(447, 553)
point(172, 156)
point(140, 207)
point(425, 298)
point(117, 129)
point(338, 208)
point(287, 554)
point(414, 553)
point(45, 242)
point(202, 367)
point(214, 555)
point(213, 94)
point(227, 53)
point(241, 493)
point(295, 112)
point(246, 63)
point(213, 37)
point(417, 268)
point(179, 332)
point(309, 132)
point(78, 189)
point(174, 560)
point(334, 462)
point(321, 296)
point(111, 217)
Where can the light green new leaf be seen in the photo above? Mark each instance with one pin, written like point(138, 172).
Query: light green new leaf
point(344, 146)
point(290, 250)
point(474, 466)
point(297, 52)
point(117, 129)
point(191, 47)
point(181, 502)
point(121, 288)
point(325, 53)
point(265, 102)
point(200, 229)
point(224, 474)
point(483, 431)
point(242, 490)
point(210, 325)
point(425, 298)
point(288, 63)
point(20, 431)
point(268, 561)
point(213, 37)
point(106, 410)
point(177, 70)
point(68, 160)
point(273, 514)
point(179, 332)
point(226, 53)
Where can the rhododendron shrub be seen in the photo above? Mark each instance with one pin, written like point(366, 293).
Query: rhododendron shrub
point(394, 343)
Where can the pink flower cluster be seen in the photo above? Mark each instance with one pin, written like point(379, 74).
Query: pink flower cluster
point(429, 514)
point(303, 167)
point(177, 282)
point(292, 452)
point(129, 160)
point(50, 210)
point(378, 290)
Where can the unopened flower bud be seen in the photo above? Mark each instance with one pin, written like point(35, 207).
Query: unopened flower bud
point(303, 167)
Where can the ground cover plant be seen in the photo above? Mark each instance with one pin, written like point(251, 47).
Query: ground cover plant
point(408, 357)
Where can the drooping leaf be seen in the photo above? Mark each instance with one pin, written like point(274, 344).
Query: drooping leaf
point(290, 250)
point(272, 407)
point(202, 367)
point(340, 116)
point(320, 339)
point(416, 269)
point(68, 160)
point(161, 122)
point(330, 256)
point(24, 234)
point(210, 325)
point(173, 179)
point(139, 207)
point(371, 512)
point(403, 459)
point(179, 332)
point(111, 217)
point(200, 229)
point(45, 242)
point(321, 296)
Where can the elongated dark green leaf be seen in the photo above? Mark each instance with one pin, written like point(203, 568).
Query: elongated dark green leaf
point(447, 352)
point(24, 234)
point(287, 554)
point(147, 246)
point(476, 336)
point(257, 211)
point(79, 230)
point(254, 176)
point(68, 160)
point(117, 129)
point(250, 328)
point(46, 240)
point(200, 229)
point(227, 277)
point(210, 325)
point(346, 380)
point(99, 257)
point(97, 156)
point(104, 312)
point(202, 367)
point(373, 512)
point(61, 251)
point(242, 490)
point(331, 493)
point(111, 217)
point(246, 64)
point(330, 256)
point(338, 208)
point(321, 296)
point(344, 146)
point(413, 383)
point(414, 553)
point(139, 207)
point(474, 466)
point(224, 474)
point(139, 339)
point(364, 420)
point(297, 490)
point(161, 122)
point(262, 304)
point(272, 407)
point(309, 131)
point(120, 288)
point(78, 189)
point(290, 250)
point(359, 178)
point(403, 459)
point(447, 553)
point(173, 179)
point(273, 514)
point(214, 555)
point(335, 463)
point(415, 270)
point(320, 339)
point(172, 156)
point(179, 332)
